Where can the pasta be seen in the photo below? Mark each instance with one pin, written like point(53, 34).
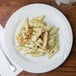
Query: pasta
point(36, 38)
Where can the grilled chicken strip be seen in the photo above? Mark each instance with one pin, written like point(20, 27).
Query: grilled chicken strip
point(38, 34)
point(45, 39)
point(28, 34)
point(22, 40)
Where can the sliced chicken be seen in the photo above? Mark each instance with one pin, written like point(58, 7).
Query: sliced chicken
point(38, 34)
point(22, 40)
point(28, 34)
point(45, 39)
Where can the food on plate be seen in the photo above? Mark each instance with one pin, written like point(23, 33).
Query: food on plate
point(38, 34)
point(36, 38)
point(45, 40)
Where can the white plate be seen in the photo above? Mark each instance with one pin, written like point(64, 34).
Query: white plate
point(53, 17)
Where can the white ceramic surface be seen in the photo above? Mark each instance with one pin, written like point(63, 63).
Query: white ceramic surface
point(5, 69)
point(53, 17)
point(65, 1)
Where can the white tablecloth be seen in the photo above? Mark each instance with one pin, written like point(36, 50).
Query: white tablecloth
point(5, 70)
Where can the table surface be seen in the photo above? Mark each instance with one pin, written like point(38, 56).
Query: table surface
point(68, 68)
